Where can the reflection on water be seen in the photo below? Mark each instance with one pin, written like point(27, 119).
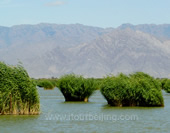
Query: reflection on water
point(58, 116)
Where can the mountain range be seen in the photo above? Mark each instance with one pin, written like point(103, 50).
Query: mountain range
point(51, 50)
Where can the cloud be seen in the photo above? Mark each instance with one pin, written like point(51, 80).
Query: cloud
point(55, 3)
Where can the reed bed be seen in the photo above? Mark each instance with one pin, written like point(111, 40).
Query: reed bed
point(76, 87)
point(18, 92)
point(138, 89)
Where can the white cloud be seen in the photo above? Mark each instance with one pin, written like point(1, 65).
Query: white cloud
point(55, 3)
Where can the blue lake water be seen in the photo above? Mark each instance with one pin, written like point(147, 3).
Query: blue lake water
point(58, 116)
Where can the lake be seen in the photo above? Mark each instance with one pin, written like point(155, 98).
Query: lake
point(58, 116)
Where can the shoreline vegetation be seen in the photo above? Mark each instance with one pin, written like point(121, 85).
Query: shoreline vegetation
point(47, 84)
point(18, 92)
point(165, 84)
point(137, 89)
point(19, 95)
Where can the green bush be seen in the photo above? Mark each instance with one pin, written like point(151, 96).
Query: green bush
point(137, 89)
point(167, 86)
point(76, 88)
point(114, 89)
point(148, 90)
point(98, 83)
point(18, 93)
point(163, 81)
point(46, 84)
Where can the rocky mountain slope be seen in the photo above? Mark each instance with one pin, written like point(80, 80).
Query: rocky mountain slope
point(162, 32)
point(48, 50)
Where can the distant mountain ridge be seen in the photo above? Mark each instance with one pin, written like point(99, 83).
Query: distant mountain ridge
point(48, 50)
point(161, 32)
point(59, 34)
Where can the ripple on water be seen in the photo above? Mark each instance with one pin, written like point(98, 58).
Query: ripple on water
point(97, 117)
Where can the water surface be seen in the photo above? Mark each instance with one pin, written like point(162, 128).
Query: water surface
point(95, 116)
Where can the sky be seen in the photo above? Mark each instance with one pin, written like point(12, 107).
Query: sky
point(100, 13)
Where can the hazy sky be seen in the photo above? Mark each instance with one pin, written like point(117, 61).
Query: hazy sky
point(102, 13)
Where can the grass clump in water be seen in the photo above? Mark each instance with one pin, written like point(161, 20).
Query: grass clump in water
point(18, 93)
point(76, 88)
point(166, 86)
point(46, 83)
point(138, 89)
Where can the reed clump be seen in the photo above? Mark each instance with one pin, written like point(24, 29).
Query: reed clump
point(18, 92)
point(166, 86)
point(76, 88)
point(47, 84)
point(138, 89)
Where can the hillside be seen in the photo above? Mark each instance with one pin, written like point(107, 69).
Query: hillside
point(162, 32)
point(48, 50)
